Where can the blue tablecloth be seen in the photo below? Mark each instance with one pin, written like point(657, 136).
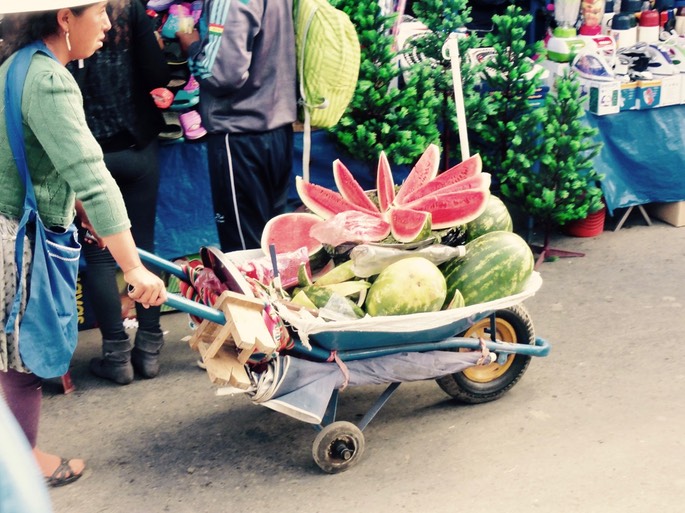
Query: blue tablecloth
point(185, 215)
point(643, 157)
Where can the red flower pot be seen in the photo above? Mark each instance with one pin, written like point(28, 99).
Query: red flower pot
point(591, 226)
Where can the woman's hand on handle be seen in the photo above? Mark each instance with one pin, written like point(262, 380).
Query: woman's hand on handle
point(145, 287)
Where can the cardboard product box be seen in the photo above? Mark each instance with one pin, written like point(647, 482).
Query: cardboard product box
point(648, 94)
point(671, 90)
point(628, 99)
point(603, 96)
point(671, 213)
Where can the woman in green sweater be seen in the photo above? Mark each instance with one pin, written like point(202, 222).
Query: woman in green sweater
point(66, 166)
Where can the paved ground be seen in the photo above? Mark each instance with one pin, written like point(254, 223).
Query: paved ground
point(595, 427)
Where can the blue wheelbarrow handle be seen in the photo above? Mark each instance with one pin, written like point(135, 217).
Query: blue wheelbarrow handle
point(179, 302)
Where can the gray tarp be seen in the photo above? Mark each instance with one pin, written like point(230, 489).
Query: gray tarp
point(302, 389)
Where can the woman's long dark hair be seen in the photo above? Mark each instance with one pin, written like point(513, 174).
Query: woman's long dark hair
point(18, 30)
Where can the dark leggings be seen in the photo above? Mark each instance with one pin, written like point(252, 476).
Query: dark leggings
point(23, 394)
point(137, 174)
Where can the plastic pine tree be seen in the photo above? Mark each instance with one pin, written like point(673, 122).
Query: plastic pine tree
point(509, 139)
point(381, 116)
point(445, 17)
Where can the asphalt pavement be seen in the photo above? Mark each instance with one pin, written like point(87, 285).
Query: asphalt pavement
point(596, 426)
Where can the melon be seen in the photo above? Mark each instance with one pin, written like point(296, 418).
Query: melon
point(425, 169)
point(496, 265)
point(494, 218)
point(409, 225)
point(411, 285)
point(291, 231)
point(349, 188)
point(385, 186)
point(466, 169)
point(456, 198)
point(324, 202)
point(452, 208)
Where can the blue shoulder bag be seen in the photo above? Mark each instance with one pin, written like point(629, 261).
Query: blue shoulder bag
point(48, 330)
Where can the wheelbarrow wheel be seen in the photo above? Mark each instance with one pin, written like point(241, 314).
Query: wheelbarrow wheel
point(338, 446)
point(481, 384)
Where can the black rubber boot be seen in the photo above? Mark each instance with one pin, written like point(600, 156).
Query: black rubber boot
point(145, 354)
point(115, 364)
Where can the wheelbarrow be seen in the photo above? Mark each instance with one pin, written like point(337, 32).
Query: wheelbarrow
point(503, 326)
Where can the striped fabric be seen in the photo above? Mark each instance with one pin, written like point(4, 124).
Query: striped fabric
point(212, 31)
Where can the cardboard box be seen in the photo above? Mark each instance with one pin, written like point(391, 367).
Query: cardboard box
point(670, 90)
point(672, 213)
point(628, 99)
point(648, 94)
point(603, 96)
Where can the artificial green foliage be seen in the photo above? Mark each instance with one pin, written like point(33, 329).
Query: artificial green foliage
point(443, 18)
point(565, 187)
point(509, 140)
point(381, 116)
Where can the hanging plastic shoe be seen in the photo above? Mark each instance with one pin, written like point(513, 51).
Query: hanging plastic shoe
point(192, 125)
point(176, 21)
point(196, 10)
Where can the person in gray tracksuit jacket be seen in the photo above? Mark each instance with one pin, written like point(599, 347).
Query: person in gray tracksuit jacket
point(244, 59)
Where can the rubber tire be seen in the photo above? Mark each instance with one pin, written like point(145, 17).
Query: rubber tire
point(324, 447)
point(514, 320)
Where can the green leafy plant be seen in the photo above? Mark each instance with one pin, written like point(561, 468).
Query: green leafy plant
point(509, 139)
point(381, 116)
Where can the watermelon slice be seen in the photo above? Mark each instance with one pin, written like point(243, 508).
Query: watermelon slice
point(288, 232)
point(462, 171)
point(409, 225)
point(349, 187)
point(453, 208)
point(385, 186)
point(324, 202)
point(479, 181)
point(425, 169)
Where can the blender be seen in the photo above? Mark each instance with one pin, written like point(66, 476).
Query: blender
point(564, 43)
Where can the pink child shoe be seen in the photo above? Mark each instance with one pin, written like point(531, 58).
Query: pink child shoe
point(192, 125)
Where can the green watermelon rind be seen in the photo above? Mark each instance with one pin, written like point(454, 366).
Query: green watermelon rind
point(494, 218)
point(496, 265)
point(392, 290)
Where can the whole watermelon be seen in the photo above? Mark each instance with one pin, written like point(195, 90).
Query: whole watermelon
point(496, 265)
point(496, 217)
point(408, 286)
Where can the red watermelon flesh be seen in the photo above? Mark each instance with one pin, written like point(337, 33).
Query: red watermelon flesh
point(288, 232)
point(385, 186)
point(453, 208)
point(351, 226)
point(425, 170)
point(324, 202)
point(462, 171)
point(479, 181)
point(349, 187)
point(407, 225)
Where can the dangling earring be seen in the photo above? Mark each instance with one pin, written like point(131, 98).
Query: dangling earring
point(66, 35)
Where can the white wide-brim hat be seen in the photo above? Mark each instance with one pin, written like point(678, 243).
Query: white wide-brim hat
point(17, 6)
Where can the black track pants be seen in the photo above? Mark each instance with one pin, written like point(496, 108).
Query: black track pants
point(250, 176)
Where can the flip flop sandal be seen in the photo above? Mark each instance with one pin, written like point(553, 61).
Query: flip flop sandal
point(63, 474)
point(173, 129)
point(192, 125)
point(185, 100)
point(163, 97)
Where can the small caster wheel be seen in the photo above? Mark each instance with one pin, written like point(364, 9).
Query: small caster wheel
point(338, 446)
